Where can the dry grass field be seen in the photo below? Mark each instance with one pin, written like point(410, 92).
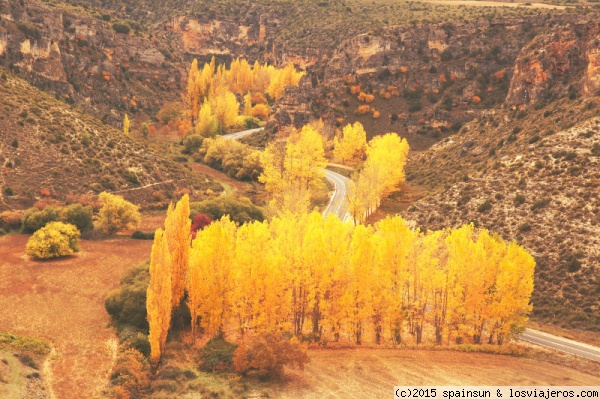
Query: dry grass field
point(372, 373)
point(63, 302)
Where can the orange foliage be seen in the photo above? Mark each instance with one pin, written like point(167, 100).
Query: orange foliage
point(403, 69)
point(260, 111)
point(363, 109)
point(443, 78)
point(355, 89)
point(364, 97)
point(45, 192)
point(476, 99)
point(259, 98)
point(500, 74)
point(376, 114)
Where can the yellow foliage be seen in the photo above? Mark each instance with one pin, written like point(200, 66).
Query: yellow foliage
point(159, 295)
point(293, 170)
point(352, 143)
point(308, 273)
point(54, 240)
point(116, 214)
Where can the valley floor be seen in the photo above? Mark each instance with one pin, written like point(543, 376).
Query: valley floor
point(63, 301)
point(372, 373)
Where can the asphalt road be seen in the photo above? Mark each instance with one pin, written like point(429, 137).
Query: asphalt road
point(243, 133)
point(338, 205)
point(560, 344)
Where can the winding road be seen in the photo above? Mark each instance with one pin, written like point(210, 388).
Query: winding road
point(338, 205)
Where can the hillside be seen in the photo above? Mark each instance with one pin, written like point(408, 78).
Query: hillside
point(49, 149)
point(529, 171)
point(111, 58)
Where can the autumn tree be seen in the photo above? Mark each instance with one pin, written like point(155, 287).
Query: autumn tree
point(209, 275)
point(193, 91)
point(126, 125)
point(380, 175)
point(117, 214)
point(159, 296)
point(291, 172)
point(177, 233)
point(352, 142)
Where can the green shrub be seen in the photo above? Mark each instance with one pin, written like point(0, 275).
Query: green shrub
point(484, 207)
point(8, 191)
point(217, 355)
point(140, 235)
point(131, 337)
point(127, 304)
point(78, 215)
point(121, 27)
point(86, 140)
point(55, 240)
point(34, 219)
point(519, 199)
point(240, 210)
point(192, 143)
point(540, 204)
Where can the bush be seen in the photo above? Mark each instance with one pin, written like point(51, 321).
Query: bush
point(120, 27)
point(519, 199)
point(10, 220)
point(117, 214)
point(78, 215)
point(34, 219)
point(140, 235)
point(55, 240)
point(484, 207)
point(131, 374)
point(131, 337)
point(267, 354)
point(8, 191)
point(540, 204)
point(217, 355)
point(240, 210)
point(127, 304)
point(192, 143)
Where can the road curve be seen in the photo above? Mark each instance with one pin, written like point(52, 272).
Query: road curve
point(338, 205)
point(243, 133)
point(560, 344)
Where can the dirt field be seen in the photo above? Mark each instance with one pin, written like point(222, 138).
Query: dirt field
point(63, 302)
point(372, 373)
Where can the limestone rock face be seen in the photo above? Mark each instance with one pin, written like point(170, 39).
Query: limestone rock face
point(565, 57)
point(294, 106)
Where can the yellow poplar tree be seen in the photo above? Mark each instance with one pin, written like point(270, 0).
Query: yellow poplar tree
point(177, 231)
point(352, 142)
point(158, 296)
point(193, 91)
point(126, 125)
